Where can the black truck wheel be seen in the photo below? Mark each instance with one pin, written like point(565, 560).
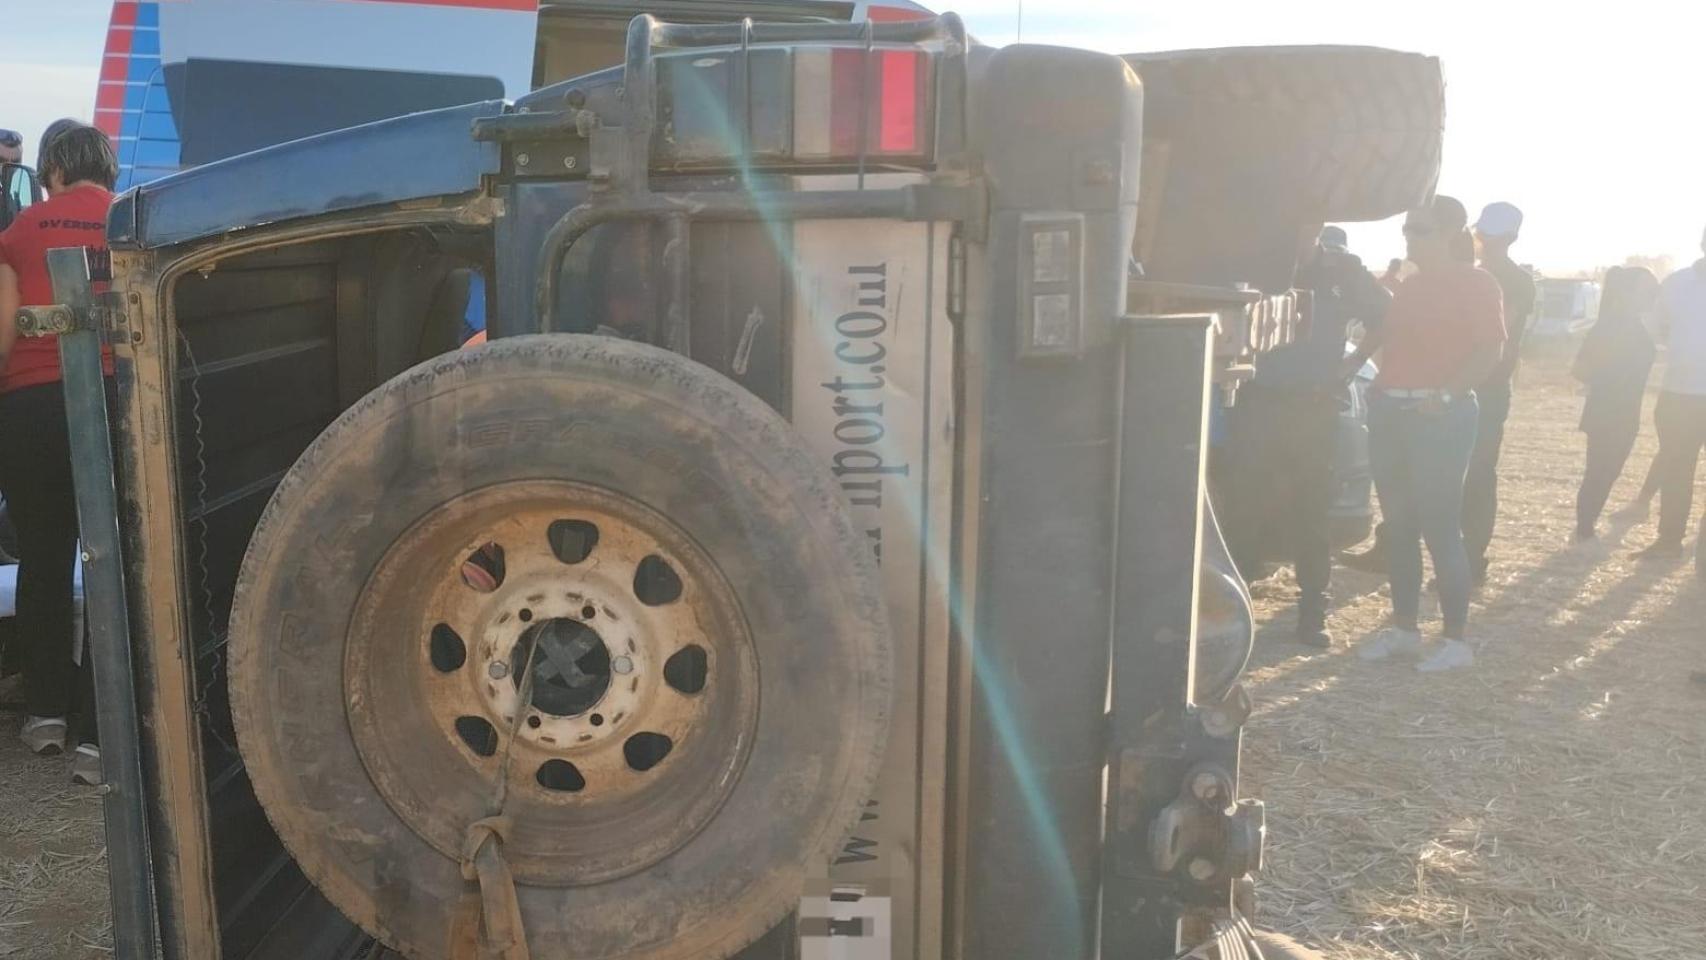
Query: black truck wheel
point(1247, 151)
point(587, 584)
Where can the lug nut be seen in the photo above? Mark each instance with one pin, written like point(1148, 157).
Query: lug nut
point(1206, 787)
point(1202, 869)
point(498, 670)
point(622, 665)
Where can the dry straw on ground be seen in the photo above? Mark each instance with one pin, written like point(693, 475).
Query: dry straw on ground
point(1551, 803)
point(53, 876)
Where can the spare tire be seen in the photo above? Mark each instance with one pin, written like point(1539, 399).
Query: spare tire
point(1248, 150)
point(591, 586)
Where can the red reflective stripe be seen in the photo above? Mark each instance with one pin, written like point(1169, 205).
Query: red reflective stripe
point(892, 14)
point(525, 5)
point(897, 131)
point(118, 41)
point(115, 68)
point(107, 121)
point(124, 13)
point(897, 128)
point(109, 96)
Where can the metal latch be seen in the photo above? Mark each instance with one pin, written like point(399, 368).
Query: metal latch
point(105, 316)
point(1205, 831)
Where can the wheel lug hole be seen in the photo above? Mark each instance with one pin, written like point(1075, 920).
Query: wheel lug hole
point(597, 719)
point(623, 665)
point(587, 612)
point(526, 615)
point(534, 722)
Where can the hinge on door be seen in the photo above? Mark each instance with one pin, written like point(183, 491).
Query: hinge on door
point(106, 316)
point(112, 317)
point(956, 276)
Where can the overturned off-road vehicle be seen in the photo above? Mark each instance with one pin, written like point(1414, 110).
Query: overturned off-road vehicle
point(815, 562)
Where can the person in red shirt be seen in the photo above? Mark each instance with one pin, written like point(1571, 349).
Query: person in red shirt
point(1443, 335)
point(78, 168)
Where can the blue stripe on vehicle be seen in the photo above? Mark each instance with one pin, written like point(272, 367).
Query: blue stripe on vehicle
point(154, 153)
point(148, 15)
point(159, 126)
point(141, 69)
point(147, 126)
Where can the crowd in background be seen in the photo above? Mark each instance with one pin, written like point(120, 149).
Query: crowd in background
point(1445, 326)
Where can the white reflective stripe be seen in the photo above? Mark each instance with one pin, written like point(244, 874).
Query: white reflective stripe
point(813, 112)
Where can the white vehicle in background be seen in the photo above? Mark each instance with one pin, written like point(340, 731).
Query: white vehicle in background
point(1564, 306)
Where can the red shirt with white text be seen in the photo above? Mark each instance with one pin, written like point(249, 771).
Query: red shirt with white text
point(74, 218)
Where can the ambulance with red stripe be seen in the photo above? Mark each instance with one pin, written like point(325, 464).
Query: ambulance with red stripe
point(186, 82)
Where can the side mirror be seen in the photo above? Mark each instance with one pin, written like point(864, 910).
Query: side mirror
point(18, 189)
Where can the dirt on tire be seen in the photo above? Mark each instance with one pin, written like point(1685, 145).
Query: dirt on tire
point(582, 413)
point(1248, 150)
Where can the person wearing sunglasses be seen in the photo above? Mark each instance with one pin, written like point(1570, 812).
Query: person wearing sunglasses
point(11, 147)
point(1444, 334)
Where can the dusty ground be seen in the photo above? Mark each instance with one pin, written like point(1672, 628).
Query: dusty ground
point(1549, 804)
point(53, 876)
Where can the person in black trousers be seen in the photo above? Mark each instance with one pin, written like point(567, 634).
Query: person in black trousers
point(1283, 428)
point(1680, 414)
point(1613, 363)
point(78, 167)
point(1496, 230)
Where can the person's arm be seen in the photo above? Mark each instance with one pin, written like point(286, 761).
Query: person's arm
point(1372, 302)
point(10, 301)
point(1659, 320)
point(1589, 355)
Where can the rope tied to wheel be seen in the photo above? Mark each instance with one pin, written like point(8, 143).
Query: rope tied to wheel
point(488, 922)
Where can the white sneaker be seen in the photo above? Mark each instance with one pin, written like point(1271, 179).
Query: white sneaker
point(86, 765)
point(1452, 655)
point(45, 736)
point(1389, 641)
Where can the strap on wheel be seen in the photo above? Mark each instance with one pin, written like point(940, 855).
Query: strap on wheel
point(487, 925)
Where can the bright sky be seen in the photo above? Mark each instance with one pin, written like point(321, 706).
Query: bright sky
point(1581, 114)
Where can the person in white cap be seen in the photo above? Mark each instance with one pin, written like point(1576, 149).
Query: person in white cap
point(1681, 412)
point(1495, 231)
